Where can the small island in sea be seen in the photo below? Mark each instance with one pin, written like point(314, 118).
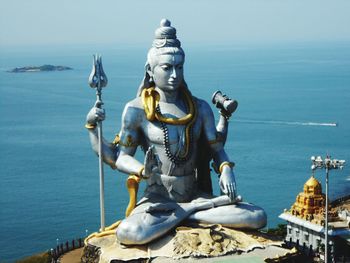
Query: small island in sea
point(39, 68)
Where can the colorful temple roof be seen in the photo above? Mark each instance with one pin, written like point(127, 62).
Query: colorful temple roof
point(308, 210)
point(310, 204)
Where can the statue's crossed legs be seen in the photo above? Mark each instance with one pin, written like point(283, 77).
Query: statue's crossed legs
point(155, 215)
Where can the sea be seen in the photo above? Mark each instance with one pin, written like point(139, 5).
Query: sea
point(294, 102)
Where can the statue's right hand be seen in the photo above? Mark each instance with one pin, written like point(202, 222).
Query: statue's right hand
point(96, 114)
point(151, 163)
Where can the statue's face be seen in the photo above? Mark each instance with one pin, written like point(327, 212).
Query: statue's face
point(168, 72)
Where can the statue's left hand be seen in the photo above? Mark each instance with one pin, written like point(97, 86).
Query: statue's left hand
point(228, 183)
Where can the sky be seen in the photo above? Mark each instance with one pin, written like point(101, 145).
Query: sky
point(47, 22)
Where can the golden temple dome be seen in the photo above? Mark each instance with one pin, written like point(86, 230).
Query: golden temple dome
point(309, 204)
point(312, 182)
point(312, 186)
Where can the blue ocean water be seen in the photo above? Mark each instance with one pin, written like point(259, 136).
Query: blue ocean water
point(49, 176)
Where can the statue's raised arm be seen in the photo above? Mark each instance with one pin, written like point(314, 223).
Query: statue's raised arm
point(110, 150)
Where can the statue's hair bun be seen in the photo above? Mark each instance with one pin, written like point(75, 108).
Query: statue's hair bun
point(165, 35)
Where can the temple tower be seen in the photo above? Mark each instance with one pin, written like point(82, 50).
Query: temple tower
point(310, 204)
point(306, 219)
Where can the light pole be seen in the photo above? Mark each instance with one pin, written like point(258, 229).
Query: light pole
point(328, 164)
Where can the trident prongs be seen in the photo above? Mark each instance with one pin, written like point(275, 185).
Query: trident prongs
point(97, 78)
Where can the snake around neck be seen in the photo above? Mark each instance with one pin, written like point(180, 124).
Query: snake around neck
point(150, 99)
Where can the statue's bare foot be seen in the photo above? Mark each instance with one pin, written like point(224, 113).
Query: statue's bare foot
point(161, 207)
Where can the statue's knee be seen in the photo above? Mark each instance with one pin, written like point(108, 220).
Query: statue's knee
point(260, 219)
point(129, 233)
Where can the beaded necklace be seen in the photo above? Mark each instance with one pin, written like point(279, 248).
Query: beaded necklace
point(176, 158)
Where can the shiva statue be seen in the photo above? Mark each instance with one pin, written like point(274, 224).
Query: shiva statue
point(178, 135)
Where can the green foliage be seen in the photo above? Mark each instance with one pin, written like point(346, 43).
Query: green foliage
point(38, 258)
point(280, 230)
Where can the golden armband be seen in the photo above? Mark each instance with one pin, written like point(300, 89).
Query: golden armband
point(230, 164)
point(130, 142)
point(116, 140)
point(139, 174)
point(90, 126)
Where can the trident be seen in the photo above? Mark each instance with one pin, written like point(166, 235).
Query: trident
point(98, 80)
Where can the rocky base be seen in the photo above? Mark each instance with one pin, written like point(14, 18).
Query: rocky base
point(186, 243)
point(91, 254)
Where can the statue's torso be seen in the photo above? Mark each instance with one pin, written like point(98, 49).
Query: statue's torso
point(178, 180)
